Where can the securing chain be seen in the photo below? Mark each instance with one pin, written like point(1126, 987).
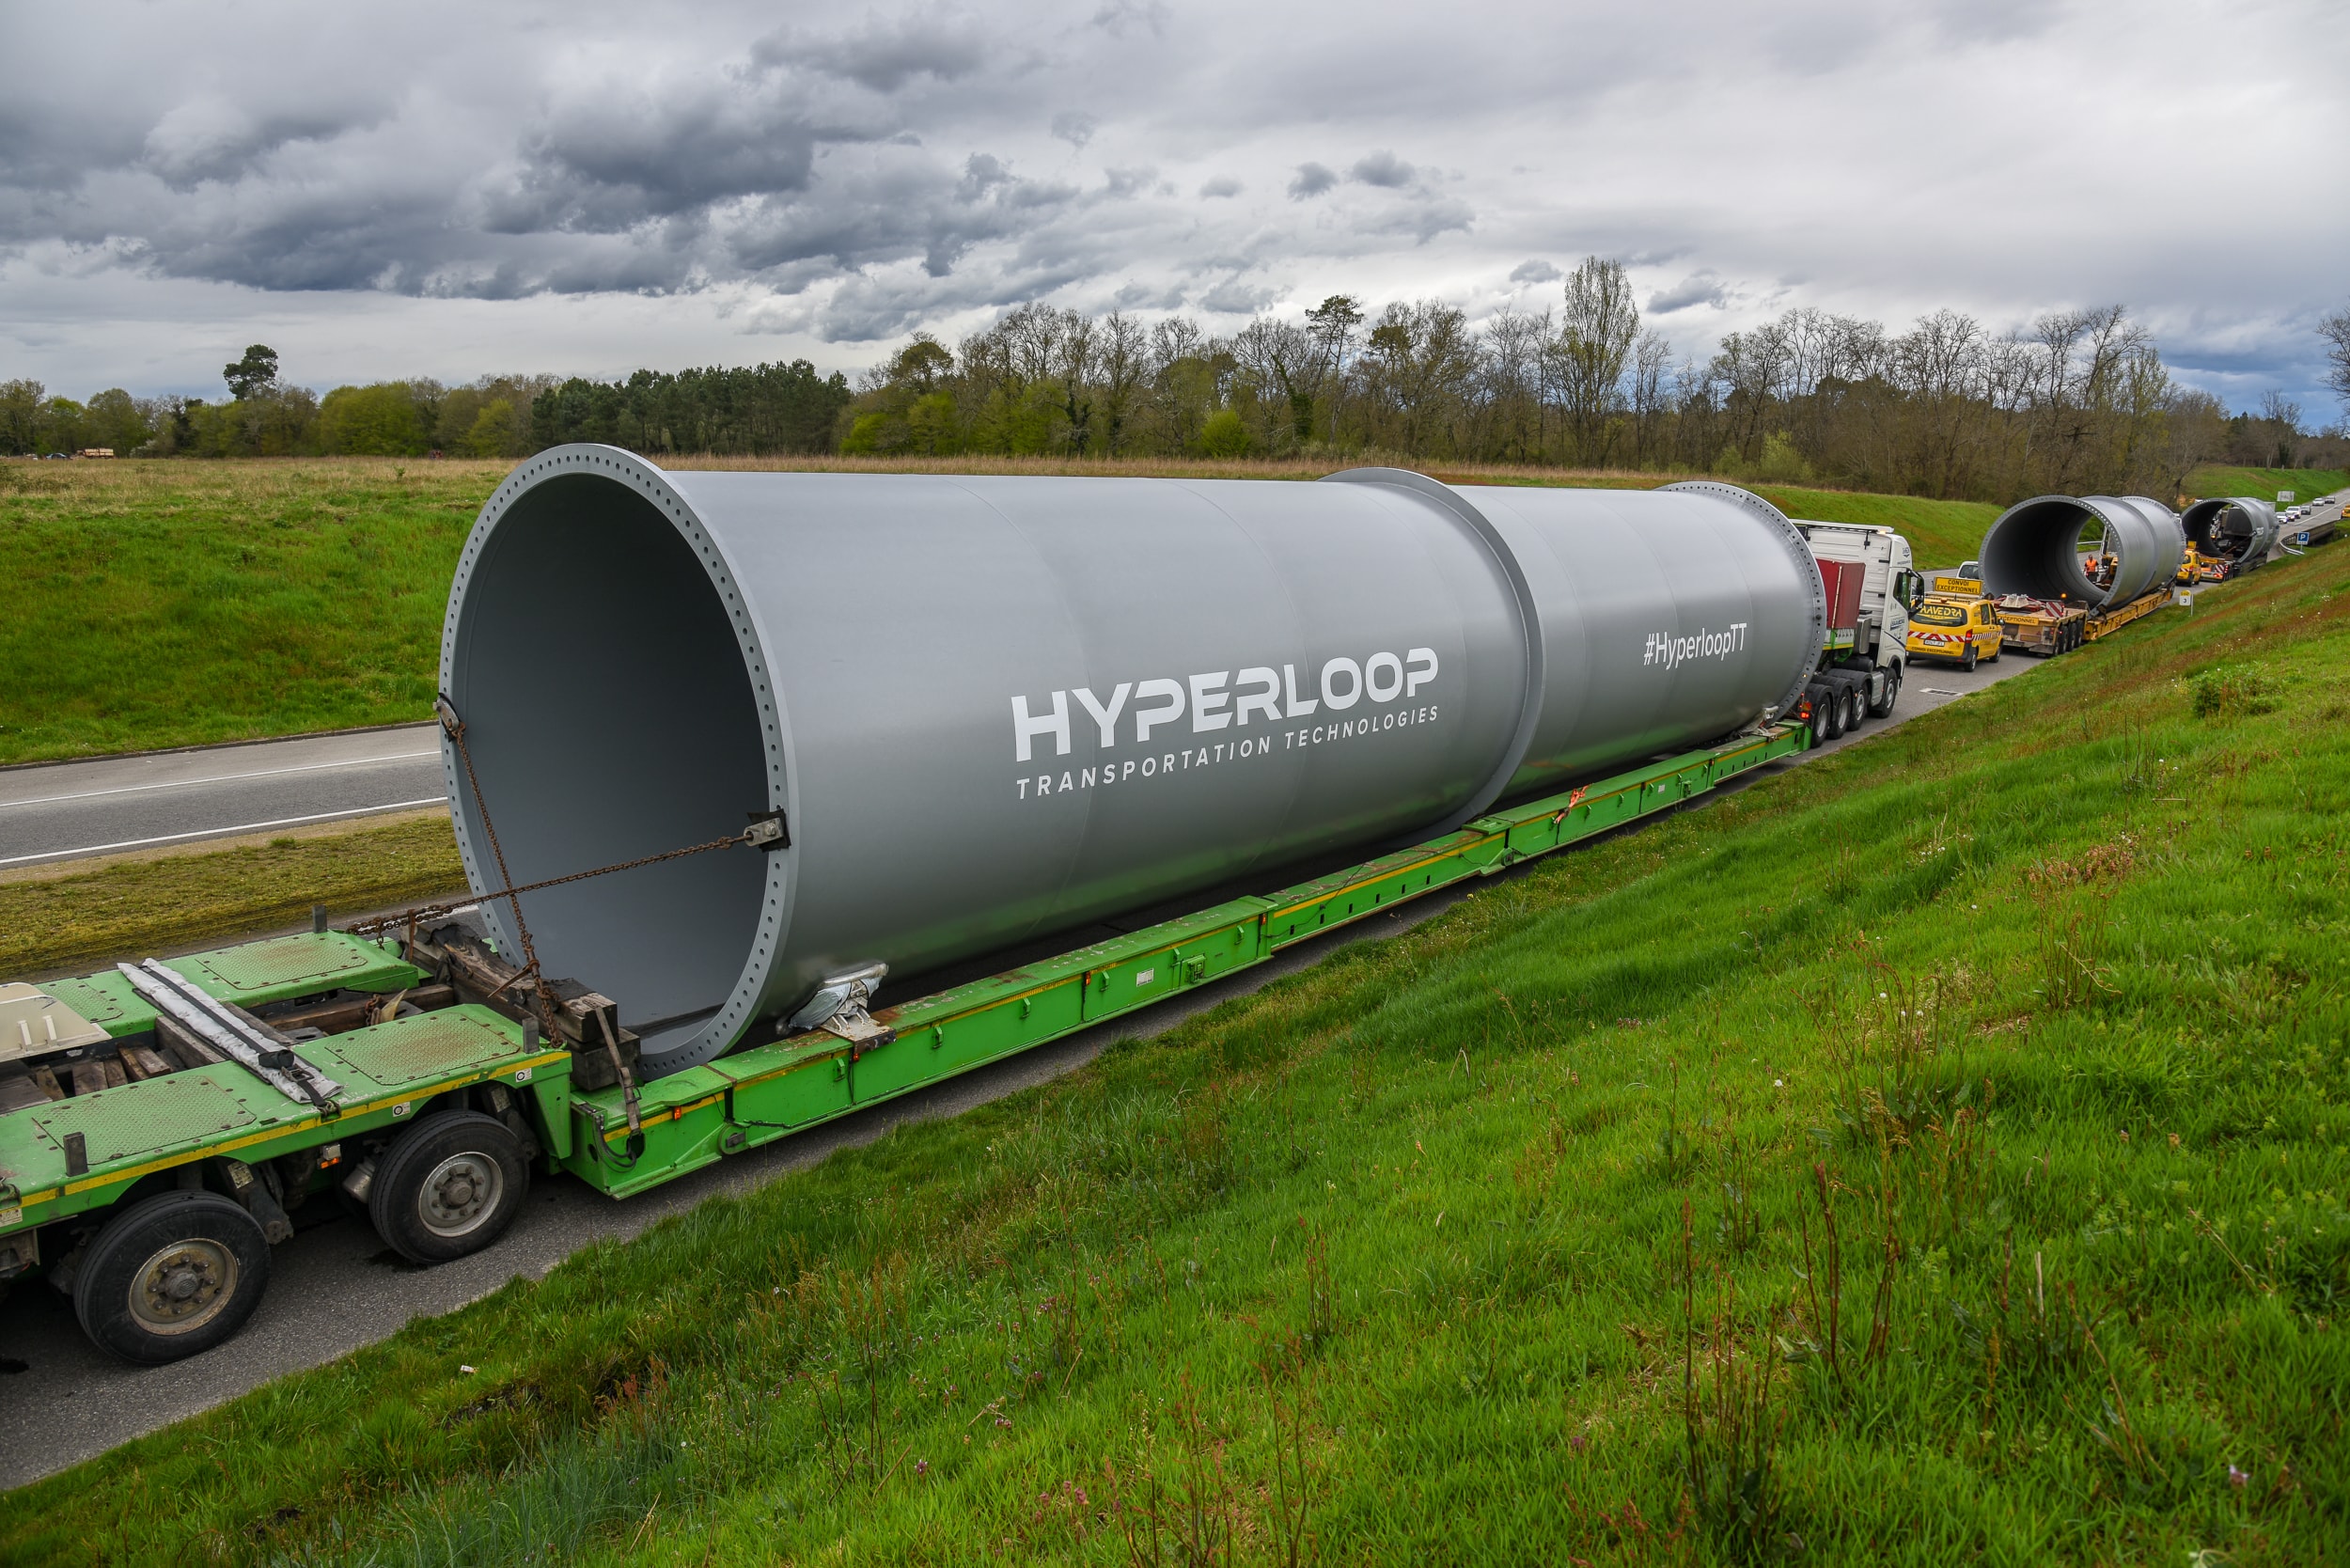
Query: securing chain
point(425, 912)
point(761, 833)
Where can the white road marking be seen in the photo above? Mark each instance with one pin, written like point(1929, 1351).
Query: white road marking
point(222, 832)
point(217, 779)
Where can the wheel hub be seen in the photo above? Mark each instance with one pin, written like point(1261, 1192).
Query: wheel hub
point(183, 1286)
point(460, 1193)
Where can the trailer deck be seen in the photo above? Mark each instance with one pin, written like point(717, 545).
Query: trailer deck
point(696, 1117)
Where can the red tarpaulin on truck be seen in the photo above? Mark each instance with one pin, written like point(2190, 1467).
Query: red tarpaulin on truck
point(1842, 580)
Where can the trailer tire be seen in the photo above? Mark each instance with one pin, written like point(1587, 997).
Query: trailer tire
point(1883, 706)
point(448, 1188)
point(171, 1275)
point(1831, 711)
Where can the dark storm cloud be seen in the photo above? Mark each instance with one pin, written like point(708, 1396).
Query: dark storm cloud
point(1384, 169)
point(1535, 272)
point(1312, 179)
point(612, 166)
point(885, 54)
point(1698, 288)
point(213, 139)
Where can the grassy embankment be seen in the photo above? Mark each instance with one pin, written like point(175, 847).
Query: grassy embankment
point(1934, 1153)
point(75, 915)
point(180, 603)
point(2263, 483)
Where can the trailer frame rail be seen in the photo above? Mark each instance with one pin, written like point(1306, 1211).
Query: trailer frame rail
point(739, 1102)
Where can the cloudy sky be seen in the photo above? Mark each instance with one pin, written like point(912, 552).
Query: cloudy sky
point(429, 189)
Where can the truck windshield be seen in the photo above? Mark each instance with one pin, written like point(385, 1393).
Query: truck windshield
point(1939, 614)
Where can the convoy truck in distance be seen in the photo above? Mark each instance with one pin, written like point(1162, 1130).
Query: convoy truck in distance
point(2041, 627)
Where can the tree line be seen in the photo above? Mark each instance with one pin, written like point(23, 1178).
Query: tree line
point(761, 409)
point(2078, 401)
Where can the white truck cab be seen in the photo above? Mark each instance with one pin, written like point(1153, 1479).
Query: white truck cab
point(1890, 587)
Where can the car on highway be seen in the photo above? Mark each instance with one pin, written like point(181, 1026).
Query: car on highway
point(1962, 631)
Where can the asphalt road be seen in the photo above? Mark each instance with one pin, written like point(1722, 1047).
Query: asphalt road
point(112, 804)
point(336, 1287)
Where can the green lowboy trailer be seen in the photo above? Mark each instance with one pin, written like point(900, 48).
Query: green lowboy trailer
point(160, 1121)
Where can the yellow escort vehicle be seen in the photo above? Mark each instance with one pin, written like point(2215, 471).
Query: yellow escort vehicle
point(1960, 628)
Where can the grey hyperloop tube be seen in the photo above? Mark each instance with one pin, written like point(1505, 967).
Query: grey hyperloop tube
point(994, 709)
point(2235, 528)
point(2034, 547)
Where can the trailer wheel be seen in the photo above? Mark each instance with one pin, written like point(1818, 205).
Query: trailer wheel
point(449, 1187)
point(1883, 706)
point(171, 1275)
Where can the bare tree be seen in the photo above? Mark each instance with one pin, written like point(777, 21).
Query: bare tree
point(1651, 357)
point(1938, 365)
point(1510, 350)
point(1596, 329)
point(1751, 369)
point(1332, 324)
point(1124, 360)
point(2335, 330)
point(1075, 349)
point(1417, 364)
point(1288, 364)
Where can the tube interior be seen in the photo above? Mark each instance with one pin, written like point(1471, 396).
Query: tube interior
point(610, 715)
point(2220, 529)
point(2037, 548)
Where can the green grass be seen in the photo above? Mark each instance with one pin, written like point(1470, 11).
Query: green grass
point(53, 918)
point(1935, 1153)
point(1941, 533)
point(180, 602)
point(2263, 483)
point(177, 603)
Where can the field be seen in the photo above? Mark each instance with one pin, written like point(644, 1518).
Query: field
point(180, 603)
point(1934, 1153)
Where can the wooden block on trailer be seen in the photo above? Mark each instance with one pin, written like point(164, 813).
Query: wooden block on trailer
point(152, 1062)
point(190, 1050)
